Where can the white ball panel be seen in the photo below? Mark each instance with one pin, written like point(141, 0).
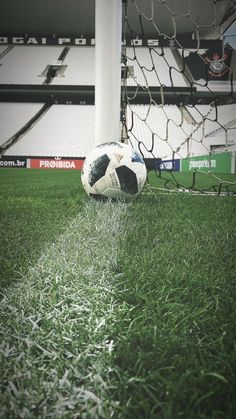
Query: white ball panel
point(114, 170)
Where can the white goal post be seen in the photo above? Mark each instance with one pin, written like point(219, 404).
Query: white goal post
point(108, 28)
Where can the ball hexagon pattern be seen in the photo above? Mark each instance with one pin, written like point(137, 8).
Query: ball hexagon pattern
point(114, 170)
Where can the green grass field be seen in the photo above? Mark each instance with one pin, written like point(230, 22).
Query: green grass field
point(114, 310)
point(196, 182)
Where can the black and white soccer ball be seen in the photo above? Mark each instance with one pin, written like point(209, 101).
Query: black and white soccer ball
point(114, 170)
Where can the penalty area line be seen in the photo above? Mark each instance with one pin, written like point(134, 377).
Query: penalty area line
point(57, 322)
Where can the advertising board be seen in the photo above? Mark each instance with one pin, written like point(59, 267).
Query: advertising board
point(218, 163)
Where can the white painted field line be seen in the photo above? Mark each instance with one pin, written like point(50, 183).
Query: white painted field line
point(56, 325)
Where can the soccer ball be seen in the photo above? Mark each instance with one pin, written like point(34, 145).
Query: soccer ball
point(114, 170)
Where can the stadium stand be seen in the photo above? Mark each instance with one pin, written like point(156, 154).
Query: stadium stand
point(14, 116)
point(143, 62)
point(2, 49)
point(65, 131)
point(172, 128)
point(25, 64)
point(68, 131)
point(80, 62)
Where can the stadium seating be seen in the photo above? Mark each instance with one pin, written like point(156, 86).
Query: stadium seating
point(2, 48)
point(143, 62)
point(171, 129)
point(25, 64)
point(68, 130)
point(65, 131)
point(14, 116)
point(80, 62)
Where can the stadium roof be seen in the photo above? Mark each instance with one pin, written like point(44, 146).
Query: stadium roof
point(76, 17)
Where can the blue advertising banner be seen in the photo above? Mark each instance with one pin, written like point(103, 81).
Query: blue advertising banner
point(171, 165)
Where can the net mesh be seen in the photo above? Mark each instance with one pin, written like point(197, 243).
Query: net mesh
point(178, 98)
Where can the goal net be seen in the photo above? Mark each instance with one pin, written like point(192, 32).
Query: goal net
point(178, 92)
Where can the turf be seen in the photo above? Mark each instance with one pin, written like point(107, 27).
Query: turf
point(34, 207)
point(197, 181)
point(118, 310)
point(177, 357)
point(57, 324)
